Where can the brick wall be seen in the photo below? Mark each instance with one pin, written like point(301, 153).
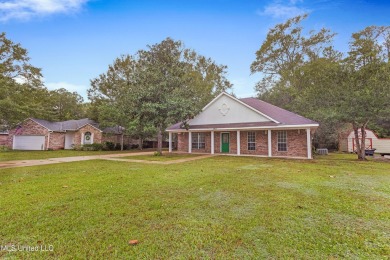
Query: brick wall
point(296, 143)
point(29, 127)
point(261, 143)
point(4, 139)
point(57, 141)
point(97, 134)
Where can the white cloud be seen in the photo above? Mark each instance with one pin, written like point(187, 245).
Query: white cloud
point(279, 9)
point(26, 9)
point(80, 89)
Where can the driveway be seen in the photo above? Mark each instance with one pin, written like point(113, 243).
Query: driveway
point(110, 157)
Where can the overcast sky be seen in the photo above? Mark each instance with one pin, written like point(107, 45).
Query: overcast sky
point(74, 41)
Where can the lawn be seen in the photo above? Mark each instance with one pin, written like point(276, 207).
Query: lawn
point(35, 155)
point(220, 207)
point(163, 158)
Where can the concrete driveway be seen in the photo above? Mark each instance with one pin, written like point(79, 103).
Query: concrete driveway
point(110, 157)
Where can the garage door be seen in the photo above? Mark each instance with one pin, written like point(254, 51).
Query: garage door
point(29, 142)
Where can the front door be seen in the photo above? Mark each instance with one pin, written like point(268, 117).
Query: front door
point(225, 142)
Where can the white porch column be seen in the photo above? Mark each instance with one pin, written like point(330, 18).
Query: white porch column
point(189, 142)
point(212, 142)
point(170, 141)
point(238, 143)
point(308, 141)
point(269, 143)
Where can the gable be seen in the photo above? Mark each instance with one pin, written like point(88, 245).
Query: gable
point(227, 110)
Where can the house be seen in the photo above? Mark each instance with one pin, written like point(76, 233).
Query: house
point(381, 145)
point(246, 126)
point(39, 134)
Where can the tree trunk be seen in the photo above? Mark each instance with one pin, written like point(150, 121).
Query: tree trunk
point(141, 143)
point(159, 140)
point(357, 141)
point(363, 142)
point(122, 142)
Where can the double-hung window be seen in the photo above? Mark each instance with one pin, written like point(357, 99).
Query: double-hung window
point(282, 141)
point(198, 141)
point(251, 141)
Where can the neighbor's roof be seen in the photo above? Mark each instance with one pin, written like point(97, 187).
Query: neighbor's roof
point(284, 117)
point(70, 125)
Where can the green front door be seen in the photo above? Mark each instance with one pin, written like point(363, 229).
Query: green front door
point(225, 142)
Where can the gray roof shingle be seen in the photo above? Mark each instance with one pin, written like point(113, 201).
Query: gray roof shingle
point(70, 125)
point(284, 117)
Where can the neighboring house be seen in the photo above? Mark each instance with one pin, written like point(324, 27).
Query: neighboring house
point(381, 145)
point(3, 137)
point(246, 126)
point(38, 134)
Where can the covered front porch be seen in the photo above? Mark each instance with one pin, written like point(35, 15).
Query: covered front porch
point(276, 142)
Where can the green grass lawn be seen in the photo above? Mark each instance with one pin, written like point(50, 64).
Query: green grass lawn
point(220, 207)
point(164, 157)
point(35, 155)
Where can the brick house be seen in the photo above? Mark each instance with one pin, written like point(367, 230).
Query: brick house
point(246, 126)
point(38, 134)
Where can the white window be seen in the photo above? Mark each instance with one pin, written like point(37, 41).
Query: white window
point(251, 141)
point(282, 141)
point(198, 141)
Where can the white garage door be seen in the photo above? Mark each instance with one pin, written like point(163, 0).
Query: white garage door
point(29, 142)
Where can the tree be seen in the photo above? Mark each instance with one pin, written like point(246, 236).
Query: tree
point(285, 50)
point(323, 85)
point(21, 92)
point(159, 86)
point(65, 105)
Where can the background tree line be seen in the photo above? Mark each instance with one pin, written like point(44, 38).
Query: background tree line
point(23, 95)
point(302, 72)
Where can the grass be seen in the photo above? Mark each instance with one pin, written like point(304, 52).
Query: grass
point(35, 155)
point(163, 157)
point(220, 207)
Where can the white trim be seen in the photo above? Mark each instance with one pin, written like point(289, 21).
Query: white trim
point(48, 141)
point(189, 142)
point(238, 143)
point(170, 142)
point(242, 103)
point(82, 138)
point(13, 142)
point(308, 141)
point(281, 127)
point(83, 126)
point(269, 143)
point(36, 123)
point(91, 138)
point(212, 142)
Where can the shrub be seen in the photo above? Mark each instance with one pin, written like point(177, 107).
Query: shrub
point(118, 146)
point(88, 147)
point(157, 153)
point(109, 146)
point(4, 148)
point(134, 146)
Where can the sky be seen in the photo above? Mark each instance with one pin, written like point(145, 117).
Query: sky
point(74, 41)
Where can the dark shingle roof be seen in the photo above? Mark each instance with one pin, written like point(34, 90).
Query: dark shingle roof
point(65, 125)
point(282, 116)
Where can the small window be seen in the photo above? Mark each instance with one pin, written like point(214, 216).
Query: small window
point(282, 141)
point(198, 141)
point(251, 141)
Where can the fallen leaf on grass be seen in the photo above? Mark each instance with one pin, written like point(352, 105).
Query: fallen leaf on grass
point(133, 242)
